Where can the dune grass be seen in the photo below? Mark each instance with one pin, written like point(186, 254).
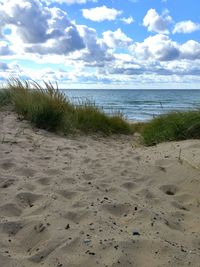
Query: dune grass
point(50, 109)
point(5, 98)
point(174, 126)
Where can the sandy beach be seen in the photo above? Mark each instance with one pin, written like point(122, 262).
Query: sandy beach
point(94, 201)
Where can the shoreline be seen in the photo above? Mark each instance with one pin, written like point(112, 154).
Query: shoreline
point(96, 201)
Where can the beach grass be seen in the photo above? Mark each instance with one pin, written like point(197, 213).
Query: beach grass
point(48, 108)
point(173, 126)
point(5, 98)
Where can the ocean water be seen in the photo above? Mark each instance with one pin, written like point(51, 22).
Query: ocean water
point(138, 105)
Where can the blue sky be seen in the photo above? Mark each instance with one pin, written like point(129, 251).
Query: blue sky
point(102, 43)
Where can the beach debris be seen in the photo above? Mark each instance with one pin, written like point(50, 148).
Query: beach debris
point(136, 232)
point(162, 168)
point(90, 253)
point(87, 241)
point(39, 228)
point(67, 227)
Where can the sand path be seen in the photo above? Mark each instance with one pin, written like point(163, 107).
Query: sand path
point(91, 201)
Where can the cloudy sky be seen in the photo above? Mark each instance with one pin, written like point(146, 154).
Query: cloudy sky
point(102, 43)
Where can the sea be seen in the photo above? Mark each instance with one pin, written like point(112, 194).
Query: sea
point(137, 105)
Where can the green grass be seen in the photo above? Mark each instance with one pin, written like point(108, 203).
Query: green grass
point(5, 98)
point(50, 109)
point(172, 127)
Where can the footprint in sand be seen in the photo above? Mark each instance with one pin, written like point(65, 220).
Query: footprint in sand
point(169, 189)
point(129, 185)
point(67, 194)
point(7, 164)
point(117, 209)
point(79, 204)
point(88, 176)
point(27, 172)
point(179, 205)
point(29, 186)
point(10, 210)
point(7, 183)
point(43, 250)
point(33, 240)
point(173, 223)
point(81, 146)
point(185, 197)
point(68, 181)
point(86, 160)
point(44, 180)
point(196, 243)
point(11, 228)
point(147, 193)
point(27, 199)
point(77, 216)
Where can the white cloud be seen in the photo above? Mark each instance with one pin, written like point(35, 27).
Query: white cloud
point(45, 34)
point(11, 70)
point(5, 49)
point(190, 50)
point(186, 27)
point(23, 15)
point(156, 23)
point(123, 57)
point(158, 47)
point(69, 2)
point(101, 13)
point(57, 40)
point(128, 20)
point(182, 68)
point(96, 51)
point(66, 44)
point(116, 39)
point(40, 29)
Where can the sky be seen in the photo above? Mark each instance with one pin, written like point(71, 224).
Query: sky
point(114, 44)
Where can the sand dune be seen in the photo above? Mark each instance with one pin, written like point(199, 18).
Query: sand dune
point(91, 201)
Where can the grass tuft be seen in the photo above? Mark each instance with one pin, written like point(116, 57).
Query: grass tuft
point(50, 109)
point(43, 107)
point(174, 126)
